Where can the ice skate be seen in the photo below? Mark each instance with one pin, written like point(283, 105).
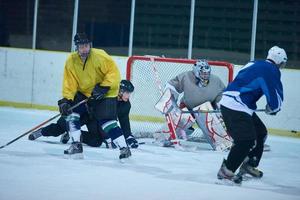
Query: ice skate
point(74, 151)
point(227, 175)
point(34, 135)
point(65, 138)
point(246, 168)
point(125, 152)
point(167, 143)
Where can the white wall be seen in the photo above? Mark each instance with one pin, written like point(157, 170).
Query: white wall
point(35, 77)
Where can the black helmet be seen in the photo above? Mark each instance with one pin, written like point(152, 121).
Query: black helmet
point(126, 86)
point(81, 38)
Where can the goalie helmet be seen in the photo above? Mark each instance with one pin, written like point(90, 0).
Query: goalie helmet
point(278, 56)
point(126, 86)
point(202, 71)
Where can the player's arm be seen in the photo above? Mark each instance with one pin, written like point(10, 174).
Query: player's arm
point(123, 117)
point(219, 93)
point(175, 85)
point(70, 84)
point(273, 90)
point(109, 85)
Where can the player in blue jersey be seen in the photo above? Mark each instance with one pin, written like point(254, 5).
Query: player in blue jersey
point(238, 105)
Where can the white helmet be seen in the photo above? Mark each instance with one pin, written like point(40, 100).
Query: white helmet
point(278, 56)
point(202, 71)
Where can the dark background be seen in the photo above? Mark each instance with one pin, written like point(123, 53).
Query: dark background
point(222, 28)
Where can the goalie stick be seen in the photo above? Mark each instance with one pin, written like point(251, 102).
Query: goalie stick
point(42, 124)
point(209, 111)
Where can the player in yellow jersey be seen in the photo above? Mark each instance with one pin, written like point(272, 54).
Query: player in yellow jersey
point(90, 73)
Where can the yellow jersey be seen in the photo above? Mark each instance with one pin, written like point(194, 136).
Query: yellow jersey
point(99, 68)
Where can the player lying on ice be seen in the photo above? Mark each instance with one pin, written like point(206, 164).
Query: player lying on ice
point(199, 90)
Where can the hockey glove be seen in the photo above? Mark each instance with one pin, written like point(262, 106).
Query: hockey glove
point(64, 106)
point(269, 111)
point(99, 92)
point(132, 142)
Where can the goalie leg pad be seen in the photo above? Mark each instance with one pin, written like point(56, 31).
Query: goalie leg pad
point(166, 103)
point(213, 128)
point(201, 122)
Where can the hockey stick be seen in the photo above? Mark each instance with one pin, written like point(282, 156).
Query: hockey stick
point(41, 124)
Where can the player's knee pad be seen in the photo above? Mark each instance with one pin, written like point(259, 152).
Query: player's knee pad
point(73, 121)
point(111, 129)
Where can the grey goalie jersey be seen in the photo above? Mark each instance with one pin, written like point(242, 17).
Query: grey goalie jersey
point(194, 95)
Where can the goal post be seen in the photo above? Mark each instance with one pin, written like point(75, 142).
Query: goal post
point(145, 119)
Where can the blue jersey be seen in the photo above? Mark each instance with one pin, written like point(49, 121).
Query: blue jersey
point(254, 80)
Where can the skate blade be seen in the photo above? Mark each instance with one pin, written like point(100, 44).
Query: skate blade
point(227, 182)
point(125, 160)
point(77, 156)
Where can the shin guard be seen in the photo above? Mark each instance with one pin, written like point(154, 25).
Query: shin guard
point(114, 132)
point(74, 126)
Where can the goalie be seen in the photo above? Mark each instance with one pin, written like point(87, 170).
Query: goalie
point(198, 89)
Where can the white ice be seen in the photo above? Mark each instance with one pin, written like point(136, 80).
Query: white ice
point(37, 170)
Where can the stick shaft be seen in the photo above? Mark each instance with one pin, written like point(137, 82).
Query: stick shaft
point(41, 124)
point(214, 111)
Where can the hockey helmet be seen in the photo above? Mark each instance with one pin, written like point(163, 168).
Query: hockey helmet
point(202, 71)
point(126, 86)
point(81, 38)
point(278, 56)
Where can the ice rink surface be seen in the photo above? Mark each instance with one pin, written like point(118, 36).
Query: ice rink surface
point(37, 170)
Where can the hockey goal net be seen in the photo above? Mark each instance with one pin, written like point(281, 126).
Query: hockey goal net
point(149, 75)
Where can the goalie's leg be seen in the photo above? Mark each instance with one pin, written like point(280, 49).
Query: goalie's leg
point(201, 122)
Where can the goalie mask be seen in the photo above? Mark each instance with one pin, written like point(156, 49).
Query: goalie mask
point(126, 88)
point(83, 45)
point(278, 56)
point(202, 71)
